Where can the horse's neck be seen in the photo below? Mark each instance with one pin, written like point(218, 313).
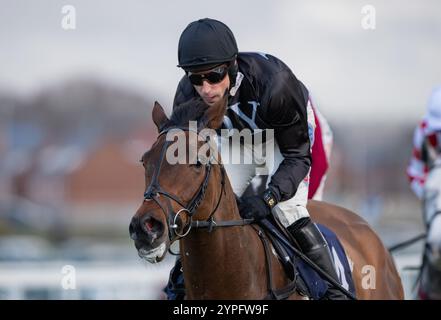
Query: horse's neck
point(221, 239)
point(222, 258)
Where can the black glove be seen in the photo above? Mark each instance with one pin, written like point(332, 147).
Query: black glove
point(253, 207)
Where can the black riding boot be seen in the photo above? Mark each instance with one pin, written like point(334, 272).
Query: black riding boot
point(314, 246)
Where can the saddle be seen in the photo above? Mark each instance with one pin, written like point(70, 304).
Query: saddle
point(305, 280)
point(308, 281)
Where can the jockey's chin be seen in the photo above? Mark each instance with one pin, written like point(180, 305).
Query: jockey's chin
point(215, 101)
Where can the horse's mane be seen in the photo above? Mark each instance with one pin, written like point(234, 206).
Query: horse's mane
point(191, 110)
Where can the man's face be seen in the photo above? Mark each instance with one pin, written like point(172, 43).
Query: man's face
point(207, 85)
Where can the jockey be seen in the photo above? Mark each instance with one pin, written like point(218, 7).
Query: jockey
point(426, 146)
point(258, 91)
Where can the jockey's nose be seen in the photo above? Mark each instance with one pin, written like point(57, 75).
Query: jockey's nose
point(206, 87)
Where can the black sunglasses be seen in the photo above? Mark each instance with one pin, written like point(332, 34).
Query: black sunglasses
point(214, 76)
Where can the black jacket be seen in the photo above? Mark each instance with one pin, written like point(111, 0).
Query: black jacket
point(270, 97)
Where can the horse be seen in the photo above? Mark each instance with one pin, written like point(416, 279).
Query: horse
point(230, 259)
point(429, 287)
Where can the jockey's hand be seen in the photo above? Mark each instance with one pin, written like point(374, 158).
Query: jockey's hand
point(253, 207)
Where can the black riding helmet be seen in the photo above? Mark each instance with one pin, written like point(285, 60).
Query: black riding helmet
point(206, 43)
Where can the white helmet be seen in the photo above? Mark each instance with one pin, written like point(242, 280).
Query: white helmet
point(433, 115)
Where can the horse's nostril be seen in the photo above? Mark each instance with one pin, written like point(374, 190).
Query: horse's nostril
point(152, 226)
point(149, 224)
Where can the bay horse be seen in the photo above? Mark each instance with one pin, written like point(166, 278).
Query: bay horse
point(430, 272)
point(229, 260)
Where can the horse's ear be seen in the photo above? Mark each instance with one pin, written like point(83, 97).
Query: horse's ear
point(159, 116)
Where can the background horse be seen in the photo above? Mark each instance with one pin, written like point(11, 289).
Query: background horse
point(430, 273)
point(230, 261)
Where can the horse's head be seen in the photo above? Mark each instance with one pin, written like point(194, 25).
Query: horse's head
point(182, 180)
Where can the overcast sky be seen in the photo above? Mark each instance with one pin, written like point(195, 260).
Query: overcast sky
point(385, 73)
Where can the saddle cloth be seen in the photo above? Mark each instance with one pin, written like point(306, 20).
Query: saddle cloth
point(316, 287)
point(310, 282)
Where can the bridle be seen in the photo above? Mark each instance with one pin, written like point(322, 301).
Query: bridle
point(154, 191)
